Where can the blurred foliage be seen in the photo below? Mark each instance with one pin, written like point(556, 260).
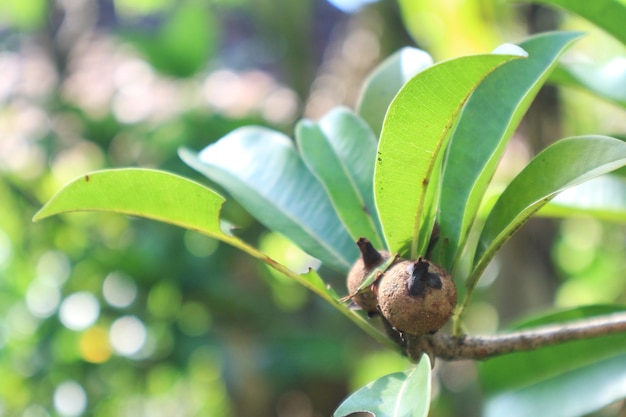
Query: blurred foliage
point(105, 315)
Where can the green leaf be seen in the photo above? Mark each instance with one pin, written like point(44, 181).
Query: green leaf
point(520, 369)
point(606, 81)
point(572, 394)
point(355, 144)
point(262, 170)
point(609, 15)
point(386, 80)
point(168, 198)
point(152, 194)
point(414, 136)
point(485, 126)
point(603, 198)
point(564, 164)
point(589, 373)
point(340, 152)
point(402, 394)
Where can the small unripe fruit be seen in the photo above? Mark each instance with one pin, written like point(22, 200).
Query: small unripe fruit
point(416, 297)
point(370, 259)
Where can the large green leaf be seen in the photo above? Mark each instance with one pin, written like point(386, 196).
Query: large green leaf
point(521, 369)
point(487, 122)
point(606, 81)
point(414, 136)
point(386, 80)
point(262, 170)
point(343, 161)
point(573, 394)
point(590, 373)
point(155, 195)
point(175, 200)
point(564, 164)
point(402, 394)
point(152, 194)
point(610, 15)
point(603, 198)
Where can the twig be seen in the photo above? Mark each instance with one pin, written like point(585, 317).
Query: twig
point(451, 348)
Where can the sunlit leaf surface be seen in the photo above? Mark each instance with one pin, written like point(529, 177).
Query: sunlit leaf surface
point(564, 164)
point(487, 122)
point(414, 136)
point(145, 193)
point(175, 200)
point(385, 82)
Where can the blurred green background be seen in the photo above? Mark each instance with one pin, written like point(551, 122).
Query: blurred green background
point(103, 315)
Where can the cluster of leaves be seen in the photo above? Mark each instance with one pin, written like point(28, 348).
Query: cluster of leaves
point(43, 265)
point(442, 130)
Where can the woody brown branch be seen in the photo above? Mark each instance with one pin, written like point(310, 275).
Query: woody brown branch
point(451, 348)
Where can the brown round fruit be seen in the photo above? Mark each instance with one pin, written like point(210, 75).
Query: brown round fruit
point(370, 259)
point(416, 297)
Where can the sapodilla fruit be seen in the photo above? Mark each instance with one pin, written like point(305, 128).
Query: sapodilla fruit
point(370, 259)
point(416, 297)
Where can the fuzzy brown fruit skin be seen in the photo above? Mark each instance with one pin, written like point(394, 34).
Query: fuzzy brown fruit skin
point(369, 260)
point(422, 310)
point(366, 300)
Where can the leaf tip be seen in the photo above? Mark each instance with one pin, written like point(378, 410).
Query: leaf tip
point(43, 212)
point(510, 49)
point(185, 154)
point(39, 215)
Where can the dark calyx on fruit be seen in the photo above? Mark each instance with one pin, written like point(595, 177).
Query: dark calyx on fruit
point(416, 297)
point(370, 259)
point(421, 277)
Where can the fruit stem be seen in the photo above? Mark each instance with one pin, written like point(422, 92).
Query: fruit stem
point(371, 257)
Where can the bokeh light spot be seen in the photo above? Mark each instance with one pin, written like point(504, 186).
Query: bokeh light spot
point(280, 106)
point(204, 364)
point(200, 245)
point(375, 365)
point(127, 335)
point(194, 319)
point(70, 399)
point(79, 310)
point(94, 345)
point(164, 300)
point(42, 299)
point(35, 410)
point(53, 267)
point(119, 290)
point(75, 161)
point(20, 322)
point(582, 233)
point(162, 379)
point(481, 318)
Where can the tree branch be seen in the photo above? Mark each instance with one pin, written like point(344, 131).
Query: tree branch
point(451, 348)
